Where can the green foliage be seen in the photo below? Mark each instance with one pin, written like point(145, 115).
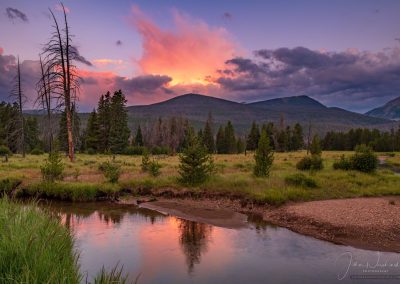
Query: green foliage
point(300, 179)
point(115, 276)
point(4, 150)
point(264, 156)
point(220, 142)
point(7, 185)
point(34, 248)
point(364, 160)
point(196, 164)
point(208, 135)
point(119, 130)
point(315, 146)
point(138, 138)
point(314, 163)
point(253, 137)
point(160, 150)
point(53, 168)
point(145, 161)
point(230, 140)
point(92, 133)
point(240, 145)
point(154, 168)
point(37, 151)
point(134, 150)
point(111, 171)
point(91, 151)
point(342, 164)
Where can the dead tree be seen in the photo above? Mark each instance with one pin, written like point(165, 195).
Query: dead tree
point(44, 98)
point(20, 98)
point(63, 78)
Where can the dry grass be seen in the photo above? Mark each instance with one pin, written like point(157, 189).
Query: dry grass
point(233, 176)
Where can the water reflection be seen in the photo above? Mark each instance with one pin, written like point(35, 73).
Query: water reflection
point(165, 249)
point(194, 238)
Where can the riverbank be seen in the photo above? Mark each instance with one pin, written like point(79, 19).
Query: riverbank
point(366, 223)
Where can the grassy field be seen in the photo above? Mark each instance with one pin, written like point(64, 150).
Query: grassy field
point(84, 181)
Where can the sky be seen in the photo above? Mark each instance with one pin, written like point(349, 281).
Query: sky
point(344, 53)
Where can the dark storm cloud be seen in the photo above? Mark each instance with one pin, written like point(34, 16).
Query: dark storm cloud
point(143, 84)
point(118, 42)
point(78, 57)
point(297, 71)
point(29, 74)
point(13, 14)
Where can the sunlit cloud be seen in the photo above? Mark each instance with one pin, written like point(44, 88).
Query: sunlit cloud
point(189, 53)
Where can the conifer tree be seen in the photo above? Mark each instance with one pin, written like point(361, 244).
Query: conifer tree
point(208, 135)
point(119, 130)
point(220, 141)
point(92, 132)
point(230, 140)
point(104, 118)
point(196, 165)
point(240, 146)
point(253, 137)
point(297, 141)
point(315, 147)
point(138, 137)
point(264, 156)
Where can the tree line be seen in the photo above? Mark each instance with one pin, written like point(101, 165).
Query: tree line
point(380, 141)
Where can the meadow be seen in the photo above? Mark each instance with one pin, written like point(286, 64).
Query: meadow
point(233, 178)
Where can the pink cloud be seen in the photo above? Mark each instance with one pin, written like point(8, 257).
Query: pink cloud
point(189, 53)
point(59, 8)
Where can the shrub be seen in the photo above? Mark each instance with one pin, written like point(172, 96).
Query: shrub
point(300, 180)
point(91, 151)
point(264, 156)
point(4, 151)
point(145, 161)
point(163, 150)
point(53, 168)
point(37, 151)
point(364, 159)
point(134, 150)
point(310, 163)
point(304, 164)
point(315, 147)
point(343, 164)
point(111, 171)
point(154, 168)
point(196, 164)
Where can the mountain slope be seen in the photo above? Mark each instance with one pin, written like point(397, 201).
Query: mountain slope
point(300, 109)
point(391, 110)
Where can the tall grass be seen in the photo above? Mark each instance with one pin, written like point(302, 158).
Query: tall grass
point(34, 248)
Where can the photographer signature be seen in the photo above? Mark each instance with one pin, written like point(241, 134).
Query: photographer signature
point(377, 266)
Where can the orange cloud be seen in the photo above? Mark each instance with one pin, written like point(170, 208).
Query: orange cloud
point(189, 54)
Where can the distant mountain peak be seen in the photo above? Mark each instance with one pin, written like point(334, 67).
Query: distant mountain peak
point(302, 101)
point(390, 110)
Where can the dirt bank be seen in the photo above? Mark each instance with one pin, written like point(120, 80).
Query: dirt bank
point(368, 223)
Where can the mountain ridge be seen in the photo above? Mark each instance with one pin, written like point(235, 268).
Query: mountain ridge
point(390, 110)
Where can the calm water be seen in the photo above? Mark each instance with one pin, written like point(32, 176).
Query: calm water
point(169, 250)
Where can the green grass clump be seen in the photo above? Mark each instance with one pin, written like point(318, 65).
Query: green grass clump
point(300, 179)
point(34, 248)
point(8, 184)
point(70, 191)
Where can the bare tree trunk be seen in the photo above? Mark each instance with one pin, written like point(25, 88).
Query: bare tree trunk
point(68, 93)
point(46, 101)
point(309, 137)
point(20, 111)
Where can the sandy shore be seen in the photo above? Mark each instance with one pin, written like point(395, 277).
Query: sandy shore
point(368, 223)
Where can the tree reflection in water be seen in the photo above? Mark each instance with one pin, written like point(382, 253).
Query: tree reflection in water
point(194, 238)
